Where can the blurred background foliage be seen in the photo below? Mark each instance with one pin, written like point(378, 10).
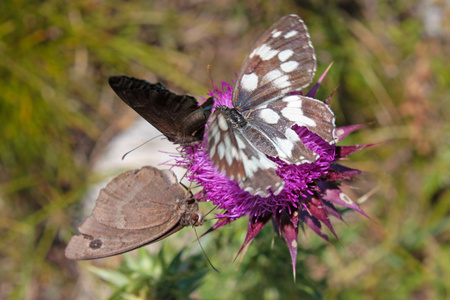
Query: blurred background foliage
point(392, 69)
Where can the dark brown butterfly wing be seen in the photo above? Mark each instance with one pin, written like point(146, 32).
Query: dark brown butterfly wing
point(178, 117)
point(136, 208)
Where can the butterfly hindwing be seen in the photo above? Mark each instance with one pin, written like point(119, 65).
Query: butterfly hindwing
point(283, 143)
point(232, 153)
point(281, 115)
point(178, 117)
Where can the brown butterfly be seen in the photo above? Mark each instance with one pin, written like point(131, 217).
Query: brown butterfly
point(136, 208)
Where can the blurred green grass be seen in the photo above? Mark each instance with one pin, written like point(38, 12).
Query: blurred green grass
point(57, 113)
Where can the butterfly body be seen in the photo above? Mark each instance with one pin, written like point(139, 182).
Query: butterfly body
point(234, 118)
point(266, 104)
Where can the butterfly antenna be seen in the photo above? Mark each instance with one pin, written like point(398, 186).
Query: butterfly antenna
point(190, 180)
point(182, 177)
point(210, 211)
point(207, 258)
point(195, 230)
point(187, 188)
point(215, 206)
point(123, 157)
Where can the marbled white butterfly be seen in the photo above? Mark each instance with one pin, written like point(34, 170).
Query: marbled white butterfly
point(266, 105)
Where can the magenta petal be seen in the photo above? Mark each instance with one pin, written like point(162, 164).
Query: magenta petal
point(342, 132)
point(312, 92)
point(253, 229)
point(333, 194)
point(201, 196)
point(289, 227)
point(331, 95)
point(345, 170)
point(219, 224)
point(343, 151)
point(315, 142)
point(329, 207)
point(335, 175)
point(316, 208)
point(312, 223)
point(276, 227)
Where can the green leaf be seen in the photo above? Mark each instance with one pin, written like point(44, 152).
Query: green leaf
point(115, 277)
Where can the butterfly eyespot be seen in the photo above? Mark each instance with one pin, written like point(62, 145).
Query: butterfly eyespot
point(95, 244)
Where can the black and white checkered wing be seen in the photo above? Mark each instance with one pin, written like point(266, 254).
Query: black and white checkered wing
point(276, 119)
point(282, 61)
point(301, 110)
point(233, 154)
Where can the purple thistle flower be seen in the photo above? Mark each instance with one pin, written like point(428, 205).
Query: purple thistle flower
point(310, 193)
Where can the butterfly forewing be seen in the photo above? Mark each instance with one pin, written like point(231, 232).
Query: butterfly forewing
point(138, 199)
point(282, 61)
point(178, 117)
